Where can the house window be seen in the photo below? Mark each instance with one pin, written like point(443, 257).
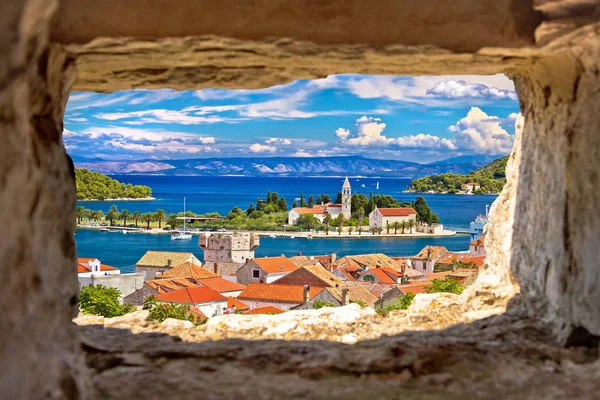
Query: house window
point(256, 273)
point(369, 278)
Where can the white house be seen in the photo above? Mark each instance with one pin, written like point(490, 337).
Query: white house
point(380, 217)
point(470, 187)
point(320, 210)
point(427, 258)
point(265, 270)
point(90, 271)
point(208, 301)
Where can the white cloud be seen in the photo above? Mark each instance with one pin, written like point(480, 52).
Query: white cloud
point(301, 153)
point(207, 140)
point(278, 141)
point(342, 133)
point(161, 116)
point(154, 96)
point(261, 148)
point(481, 133)
point(78, 119)
point(460, 89)
point(423, 141)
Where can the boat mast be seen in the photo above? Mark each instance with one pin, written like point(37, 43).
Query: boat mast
point(184, 214)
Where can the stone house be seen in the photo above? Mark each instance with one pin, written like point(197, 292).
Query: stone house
point(427, 258)
point(341, 296)
point(189, 271)
point(284, 297)
point(225, 253)
point(477, 247)
point(312, 275)
point(208, 301)
point(154, 262)
point(264, 270)
point(381, 217)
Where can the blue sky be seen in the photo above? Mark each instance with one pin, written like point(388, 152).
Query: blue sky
point(420, 119)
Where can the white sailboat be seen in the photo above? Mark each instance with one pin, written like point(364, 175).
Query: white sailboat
point(182, 235)
point(377, 185)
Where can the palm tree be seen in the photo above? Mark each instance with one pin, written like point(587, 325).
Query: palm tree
point(94, 215)
point(411, 224)
point(397, 226)
point(327, 221)
point(374, 229)
point(388, 226)
point(148, 217)
point(160, 216)
point(350, 229)
point(136, 217)
point(379, 230)
point(125, 214)
point(100, 215)
point(172, 221)
point(403, 225)
point(79, 213)
point(361, 216)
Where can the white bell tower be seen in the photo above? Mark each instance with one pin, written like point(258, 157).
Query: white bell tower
point(346, 199)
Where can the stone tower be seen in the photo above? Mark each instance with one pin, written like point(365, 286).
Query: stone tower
point(346, 199)
point(224, 253)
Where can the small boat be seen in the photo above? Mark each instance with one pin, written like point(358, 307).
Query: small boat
point(292, 237)
point(272, 236)
point(377, 185)
point(182, 235)
point(363, 185)
point(104, 230)
point(124, 232)
point(309, 237)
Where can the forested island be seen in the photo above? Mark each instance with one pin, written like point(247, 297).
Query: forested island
point(490, 179)
point(95, 186)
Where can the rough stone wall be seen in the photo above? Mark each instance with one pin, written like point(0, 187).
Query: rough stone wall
point(556, 228)
point(37, 193)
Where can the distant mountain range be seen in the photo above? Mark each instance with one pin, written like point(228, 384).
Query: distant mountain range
point(284, 166)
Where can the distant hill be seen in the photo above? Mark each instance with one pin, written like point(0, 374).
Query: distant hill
point(491, 178)
point(281, 166)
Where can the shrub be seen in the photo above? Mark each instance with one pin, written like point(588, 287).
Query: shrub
point(161, 311)
point(445, 286)
point(100, 300)
point(321, 303)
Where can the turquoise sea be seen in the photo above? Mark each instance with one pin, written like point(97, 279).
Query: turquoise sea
point(207, 194)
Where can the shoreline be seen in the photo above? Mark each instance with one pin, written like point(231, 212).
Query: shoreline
point(120, 199)
point(297, 235)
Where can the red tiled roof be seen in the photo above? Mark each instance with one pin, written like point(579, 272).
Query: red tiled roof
point(396, 212)
point(313, 275)
point(188, 270)
point(386, 275)
point(239, 305)
point(167, 285)
point(191, 295)
point(278, 293)
point(346, 272)
point(197, 313)
point(306, 210)
point(477, 260)
point(437, 252)
point(83, 266)
point(478, 242)
point(221, 285)
point(275, 265)
point(414, 288)
point(265, 310)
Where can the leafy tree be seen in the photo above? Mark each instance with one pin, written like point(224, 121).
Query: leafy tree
point(403, 226)
point(136, 217)
point(396, 225)
point(172, 221)
point(302, 201)
point(350, 229)
point(125, 214)
point(404, 302)
point(388, 226)
point(311, 201)
point(361, 216)
point(79, 213)
point(307, 221)
point(95, 186)
point(411, 225)
point(112, 214)
point(322, 303)
point(325, 198)
point(338, 199)
point(448, 285)
point(236, 212)
point(160, 216)
point(256, 215)
point(282, 204)
point(294, 204)
point(374, 229)
point(100, 300)
point(327, 221)
point(161, 311)
point(341, 220)
point(379, 230)
point(250, 209)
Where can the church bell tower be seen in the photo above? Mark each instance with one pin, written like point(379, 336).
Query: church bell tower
point(346, 199)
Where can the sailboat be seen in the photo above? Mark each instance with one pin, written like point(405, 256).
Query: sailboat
point(182, 235)
point(377, 185)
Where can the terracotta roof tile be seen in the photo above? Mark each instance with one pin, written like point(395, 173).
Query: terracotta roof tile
point(161, 258)
point(83, 265)
point(306, 210)
point(188, 270)
point(355, 293)
point(278, 293)
point(239, 305)
point(386, 275)
point(477, 260)
point(436, 253)
point(275, 265)
point(313, 275)
point(191, 295)
point(167, 285)
point(265, 310)
point(396, 212)
point(478, 242)
point(221, 285)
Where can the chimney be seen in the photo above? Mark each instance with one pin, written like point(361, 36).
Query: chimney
point(169, 263)
point(216, 268)
point(306, 293)
point(345, 296)
point(332, 258)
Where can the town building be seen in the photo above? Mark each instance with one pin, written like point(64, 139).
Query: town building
point(154, 262)
point(341, 296)
point(264, 270)
point(189, 271)
point(477, 247)
point(208, 301)
point(427, 258)
point(326, 261)
point(313, 275)
point(348, 273)
point(382, 274)
point(225, 253)
point(223, 286)
point(382, 217)
point(320, 210)
point(90, 271)
point(470, 187)
point(283, 297)
point(138, 297)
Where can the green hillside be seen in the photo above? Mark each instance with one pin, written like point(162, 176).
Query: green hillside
point(491, 178)
point(95, 186)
